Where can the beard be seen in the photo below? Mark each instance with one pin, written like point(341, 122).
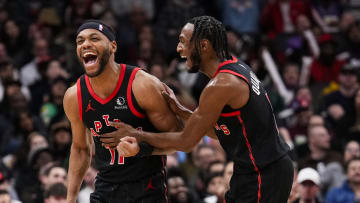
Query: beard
point(103, 61)
point(196, 60)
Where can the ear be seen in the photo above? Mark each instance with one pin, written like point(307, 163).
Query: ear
point(205, 45)
point(113, 47)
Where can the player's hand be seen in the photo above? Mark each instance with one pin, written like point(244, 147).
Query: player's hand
point(128, 146)
point(111, 140)
point(174, 103)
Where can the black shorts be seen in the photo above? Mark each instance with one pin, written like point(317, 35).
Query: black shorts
point(275, 184)
point(148, 190)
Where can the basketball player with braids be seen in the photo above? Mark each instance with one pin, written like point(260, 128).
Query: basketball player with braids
point(110, 92)
point(235, 108)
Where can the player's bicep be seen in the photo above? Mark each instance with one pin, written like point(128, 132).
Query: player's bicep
point(148, 95)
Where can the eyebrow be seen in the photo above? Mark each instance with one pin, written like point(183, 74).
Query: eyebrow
point(90, 35)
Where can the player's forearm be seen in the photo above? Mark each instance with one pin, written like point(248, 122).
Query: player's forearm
point(168, 141)
point(79, 163)
point(159, 151)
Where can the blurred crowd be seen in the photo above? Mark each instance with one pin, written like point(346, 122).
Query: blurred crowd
point(306, 52)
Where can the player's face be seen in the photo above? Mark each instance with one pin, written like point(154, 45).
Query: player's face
point(93, 51)
point(187, 50)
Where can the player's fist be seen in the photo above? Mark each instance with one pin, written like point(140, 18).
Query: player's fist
point(128, 146)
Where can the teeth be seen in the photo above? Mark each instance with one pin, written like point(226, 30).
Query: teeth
point(88, 53)
point(183, 57)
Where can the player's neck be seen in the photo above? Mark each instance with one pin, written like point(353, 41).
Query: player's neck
point(104, 84)
point(210, 66)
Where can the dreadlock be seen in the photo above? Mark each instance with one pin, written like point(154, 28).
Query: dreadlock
point(207, 27)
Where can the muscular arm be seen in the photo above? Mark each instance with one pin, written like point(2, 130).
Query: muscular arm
point(147, 91)
point(80, 148)
point(224, 89)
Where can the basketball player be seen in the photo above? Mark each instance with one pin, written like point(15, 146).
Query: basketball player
point(111, 92)
point(235, 105)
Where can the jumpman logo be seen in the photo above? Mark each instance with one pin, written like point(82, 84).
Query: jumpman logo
point(89, 107)
point(149, 186)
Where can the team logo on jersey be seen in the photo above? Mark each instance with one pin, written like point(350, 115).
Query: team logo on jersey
point(120, 103)
point(88, 108)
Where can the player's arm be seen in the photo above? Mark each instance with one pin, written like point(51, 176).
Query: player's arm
point(224, 89)
point(147, 91)
point(81, 145)
point(180, 110)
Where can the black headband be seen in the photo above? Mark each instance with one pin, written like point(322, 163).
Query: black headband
point(97, 26)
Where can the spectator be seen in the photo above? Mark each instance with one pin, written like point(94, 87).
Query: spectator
point(5, 196)
point(228, 172)
point(348, 192)
point(52, 173)
point(327, 162)
point(309, 181)
point(60, 141)
point(340, 104)
point(215, 188)
point(326, 68)
point(31, 72)
point(56, 193)
point(351, 150)
point(179, 191)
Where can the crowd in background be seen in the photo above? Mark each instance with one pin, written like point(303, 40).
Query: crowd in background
point(306, 52)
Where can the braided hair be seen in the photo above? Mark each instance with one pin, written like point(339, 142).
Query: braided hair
point(207, 27)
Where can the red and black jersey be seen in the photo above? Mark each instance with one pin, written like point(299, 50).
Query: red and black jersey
point(249, 135)
point(121, 105)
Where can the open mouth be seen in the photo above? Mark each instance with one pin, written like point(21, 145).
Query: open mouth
point(89, 59)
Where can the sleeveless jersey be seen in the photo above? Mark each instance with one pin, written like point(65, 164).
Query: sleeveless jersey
point(249, 135)
point(121, 105)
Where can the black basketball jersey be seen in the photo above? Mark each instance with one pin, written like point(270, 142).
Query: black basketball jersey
point(121, 106)
point(249, 135)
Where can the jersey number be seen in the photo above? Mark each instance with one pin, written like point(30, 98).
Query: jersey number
point(112, 161)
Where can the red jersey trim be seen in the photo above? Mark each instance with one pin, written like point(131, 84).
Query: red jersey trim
point(129, 98)
point(235, 73)
point(79, 98)
point(234, 60)
point(256, 169)
point(235, 113)
point(113, 94)
point(164, 176)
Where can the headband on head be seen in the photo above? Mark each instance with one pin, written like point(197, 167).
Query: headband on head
point(99, 27)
